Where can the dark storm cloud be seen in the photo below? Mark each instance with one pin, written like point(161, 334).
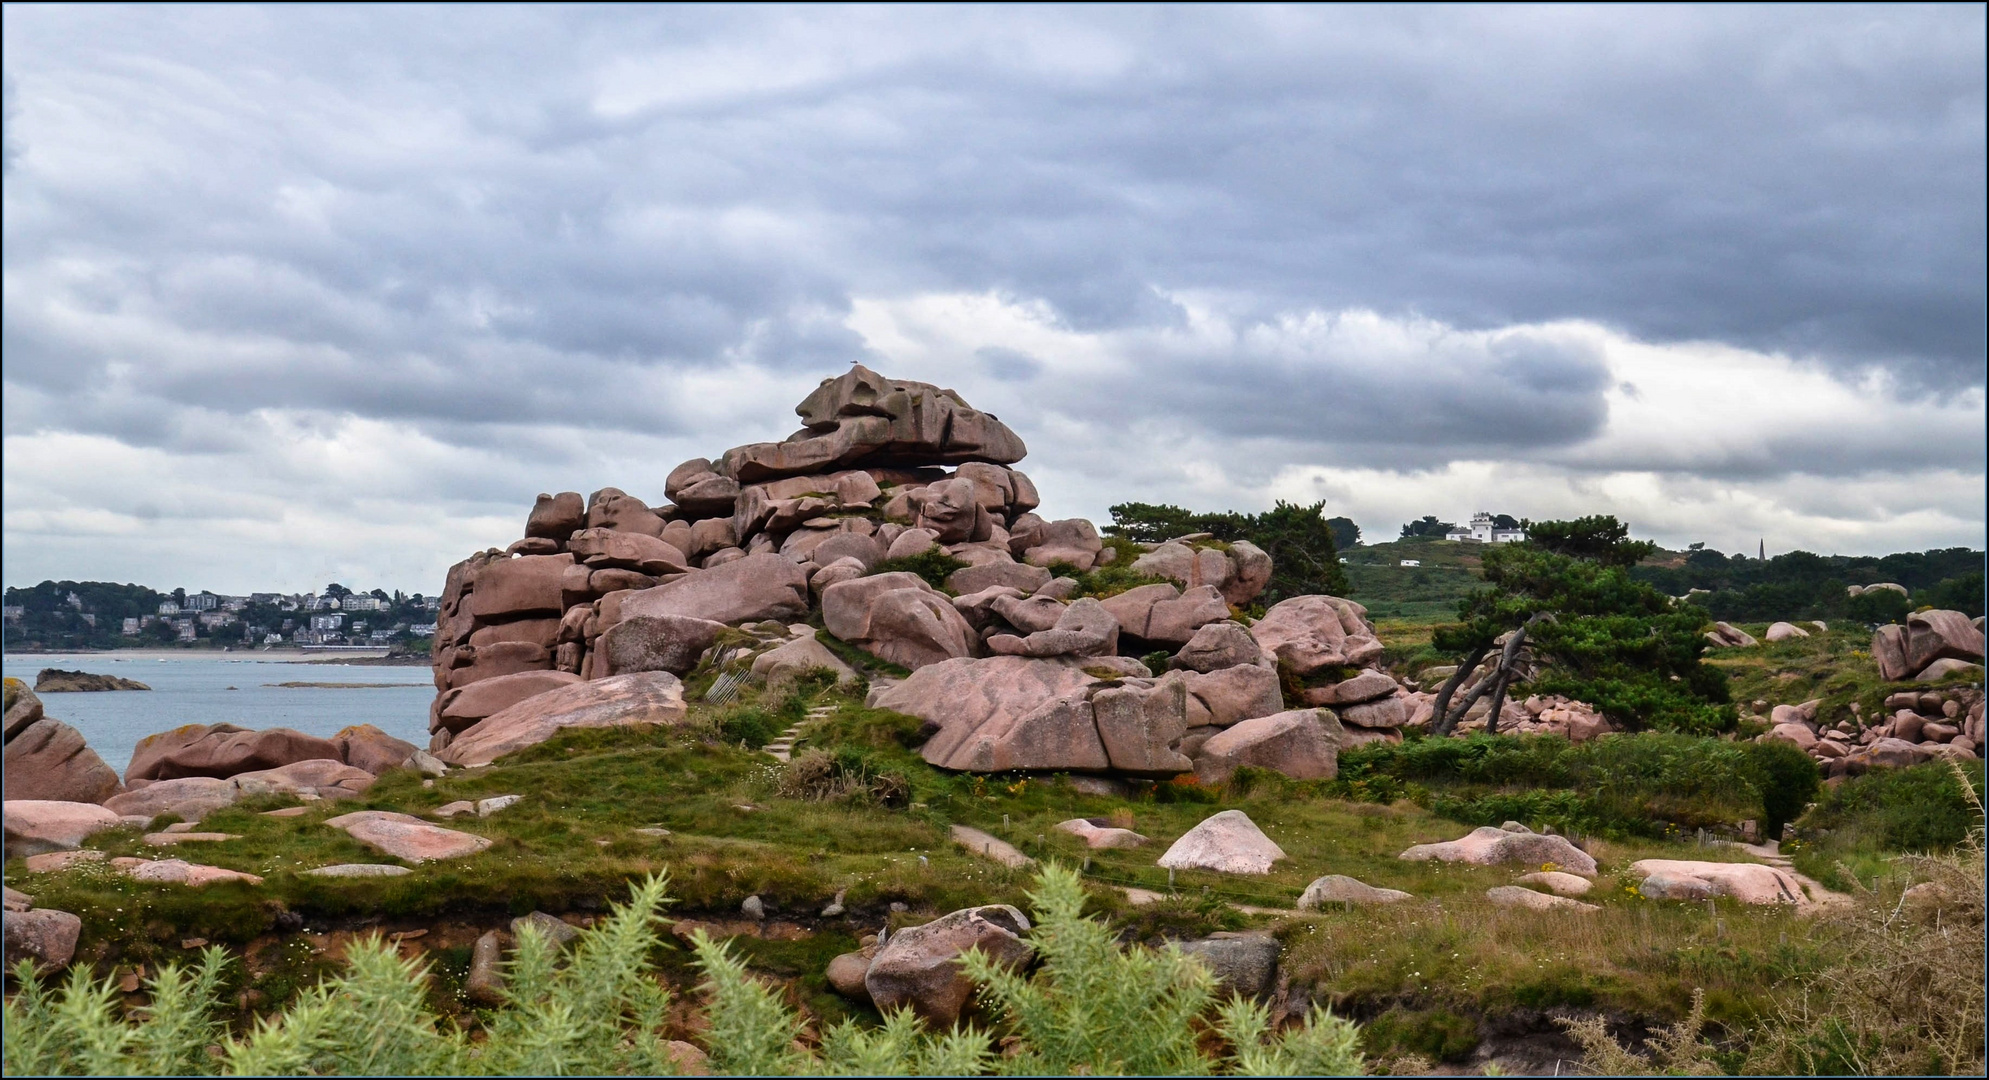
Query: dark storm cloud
point(501, 226)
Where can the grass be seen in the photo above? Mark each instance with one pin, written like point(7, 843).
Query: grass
point(1418, 971)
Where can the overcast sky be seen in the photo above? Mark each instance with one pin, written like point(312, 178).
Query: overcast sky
point(308, 293)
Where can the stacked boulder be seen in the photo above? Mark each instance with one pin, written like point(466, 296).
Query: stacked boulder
point(1727, 636)
point(1931, 646)
point(1919, 726)
point(1011, 667)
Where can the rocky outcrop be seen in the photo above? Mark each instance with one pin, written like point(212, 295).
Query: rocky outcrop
point(1726, 636)
point(58, 681)
point(649, 697)
point(1684, 879)
point(899, 618)
point(1907, 652)
point(366, 747)
point(407, 838)
point(1916, 726)
point(1301, 743)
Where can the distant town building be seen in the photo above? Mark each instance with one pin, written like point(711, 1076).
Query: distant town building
point(1483, 531)
point(272, 639)
point(264, 597)
point(234, 603)
point(422, 629)
point(131, 625)
point(1412, 562)
point(169, 607)
point(206, 601)
point(212, 619)
point(12, 612)
point(186, 629)
point(322, 623)
point(74, 601)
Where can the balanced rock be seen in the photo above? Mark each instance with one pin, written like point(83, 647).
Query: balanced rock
point(1488, 846)
point(1312, 632)
point(406, 837)
point(556, 517)
point(1228, 843)
point(1367, 686)
point(862, 417)
point(1340, 889)
point(648, 697)
point(919, 965)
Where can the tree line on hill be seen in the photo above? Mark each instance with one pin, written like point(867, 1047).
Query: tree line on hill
point(1800, 585)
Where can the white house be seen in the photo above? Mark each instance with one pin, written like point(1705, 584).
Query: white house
point(1483, 531)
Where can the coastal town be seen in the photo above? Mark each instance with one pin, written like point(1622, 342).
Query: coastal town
point(55, 616)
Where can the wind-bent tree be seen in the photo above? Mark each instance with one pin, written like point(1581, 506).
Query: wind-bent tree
point(1602, 636)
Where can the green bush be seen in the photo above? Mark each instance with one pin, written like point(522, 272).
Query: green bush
point(1917, 809)
point(933, 564)
point(750, 725)
point(1092, 1008)
point(1644, 784)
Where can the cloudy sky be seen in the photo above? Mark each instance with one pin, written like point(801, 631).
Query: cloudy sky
point(309, 293)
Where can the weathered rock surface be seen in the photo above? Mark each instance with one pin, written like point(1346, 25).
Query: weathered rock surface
point(1340, 889)
point(1245, 964)
point(1228, 843)
point(49, 760)
point(1727, 635)
point(1312, 632)
point(1230, 695)
point(757, 587)
point(34, 826)
point(1558, 883)
point(918, 967)
point(221, 750)
point(181, 872)
point(898, 617)
point(357, 870)
point(862, 417)
point(485, 982)
point(1520, 897)
point(364, 746)
point(1487, 846)
point(58, 681)
point(1301, 743)
point(463, 707)
point(44, 937)
point(785, 663)
point(649, 697)
point(846, 972)
point(1141, 725)
point(1750, 883)
point(406, 837)
point(190, 798)
point(325, 778)
point(1939, 635)
point(671, 643)
point(1219, 645)
point(1098, 836)
point(1084, 628)
point(1782, 631)
point(1367, 686)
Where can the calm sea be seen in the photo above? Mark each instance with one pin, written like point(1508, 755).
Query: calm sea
point(228, 688)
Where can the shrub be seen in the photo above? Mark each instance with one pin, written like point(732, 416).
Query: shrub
point(933, 564)
point(1918, 809)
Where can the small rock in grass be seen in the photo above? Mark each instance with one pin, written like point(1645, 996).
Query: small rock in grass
point(344, 870)
point(449, 810)
point(1228, 842)
point(1341, 889)
point(845, 973)
point(181, 872)
point(16, 900)
point(1558, 883)
point(487, 807)
point(1245, 963)
point(753, 908)
point(835, 907)
point(43, 936)
point(1098, 837)
point(485, 983)
point(552, 929)
point(166, 839)
point(1516, 896)
point(55, 861)
point(288, 811)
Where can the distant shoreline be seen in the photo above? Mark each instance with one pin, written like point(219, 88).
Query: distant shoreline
point(361, 657)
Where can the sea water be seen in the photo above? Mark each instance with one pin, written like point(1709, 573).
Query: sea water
point(233, 688)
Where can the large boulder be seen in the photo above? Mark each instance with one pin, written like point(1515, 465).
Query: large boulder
point(862, 417)
point(1253, 573)
point(757, 587)
point(1939, 635)
point(1186, 565)
point(648, 697)
point(1783, 631)
point(998, 571)
point(556, 517)
point(321, 779)
point(919, 967)
point(1243, 963)
point(1071, 542)
point(189, 798)
point(1003, 712)
point(613, 508)
point(1301, 743)
point(785, 663)
point(898, 617)
point(221, 750)
point(1228, 843)
point(699, 492)
point(1488, 846)
point(48, 759)
point(1084, 628)
point(1389, 712)
point(34, 826)
point(364, 746)
point(1141, 724)
point(671, 643)
point(23, 708)
point(1750, 883)
point(1312, 632)
point(1889, 650)
point(953, 511)
point(43, 937)
point(1367, 686)
point(462, 707)
point(1228, 695)
point(1219, 645)
point(1164, 615)
point(515, 588)
point(611, 548)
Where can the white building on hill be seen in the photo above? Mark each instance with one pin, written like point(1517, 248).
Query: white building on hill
point(1483, 531)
